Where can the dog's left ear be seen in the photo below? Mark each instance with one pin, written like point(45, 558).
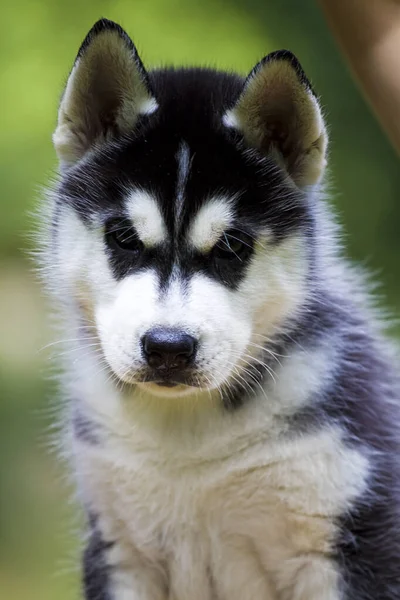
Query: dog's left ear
point(107, 90)
point(278, 112)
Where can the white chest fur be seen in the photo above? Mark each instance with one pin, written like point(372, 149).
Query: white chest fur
point(235, 517)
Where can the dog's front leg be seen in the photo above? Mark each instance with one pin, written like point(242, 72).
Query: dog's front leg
point(113, 572)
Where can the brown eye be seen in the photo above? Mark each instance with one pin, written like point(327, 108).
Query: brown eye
point(233, 245)
point(121, 235)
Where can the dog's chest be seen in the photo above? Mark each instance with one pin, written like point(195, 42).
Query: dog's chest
point(227, 521)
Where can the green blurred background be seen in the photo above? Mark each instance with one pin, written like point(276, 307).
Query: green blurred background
point(38, 541)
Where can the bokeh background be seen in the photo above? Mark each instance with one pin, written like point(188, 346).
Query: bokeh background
point(38, 541)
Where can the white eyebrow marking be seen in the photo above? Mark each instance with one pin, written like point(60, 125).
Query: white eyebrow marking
point(146, 217)
point(210, 222)
point(183, 158)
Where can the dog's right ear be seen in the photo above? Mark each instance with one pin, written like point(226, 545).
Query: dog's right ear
point(108, 88)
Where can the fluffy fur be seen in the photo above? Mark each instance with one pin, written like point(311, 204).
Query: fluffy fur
point(263, 463)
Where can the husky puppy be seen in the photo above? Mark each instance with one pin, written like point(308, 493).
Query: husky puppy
point(233, 407)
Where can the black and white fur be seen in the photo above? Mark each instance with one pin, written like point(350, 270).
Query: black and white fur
point(264, 464)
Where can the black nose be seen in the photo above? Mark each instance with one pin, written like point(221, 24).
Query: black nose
point(168, 349)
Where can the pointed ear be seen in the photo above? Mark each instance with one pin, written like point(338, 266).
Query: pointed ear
point(107, 90)
point(279, 113)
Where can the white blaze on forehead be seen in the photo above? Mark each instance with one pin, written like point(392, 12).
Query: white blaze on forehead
point(146, 217)
point(183, 159)
point(210, 222)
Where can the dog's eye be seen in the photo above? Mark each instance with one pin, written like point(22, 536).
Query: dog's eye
point(233, 245)
point(121, 235)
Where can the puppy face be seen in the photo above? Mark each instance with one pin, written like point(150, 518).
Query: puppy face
point(182, 277)
point(183, 243)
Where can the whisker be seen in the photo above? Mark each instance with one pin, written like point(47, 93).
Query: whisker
point(77, 350)
point(262, 364)
point(68, 341)
point(272, 353)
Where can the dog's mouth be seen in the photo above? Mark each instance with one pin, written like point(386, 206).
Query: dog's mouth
point(166, 380)
point(177, 384)
point(171, 380)
point(168, 384)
